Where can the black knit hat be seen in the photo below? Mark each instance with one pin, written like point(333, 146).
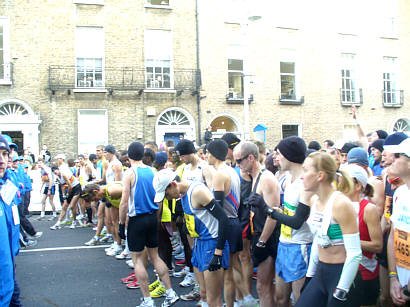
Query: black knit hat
point(218, 148)
point(293, 148)
point(185, 147)
point(347, 147)
point(378, 144)
point(231, 139)
point(136, 151)
point(314, 145)
point(382, 134)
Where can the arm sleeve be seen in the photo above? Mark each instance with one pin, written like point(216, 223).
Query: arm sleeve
point(314, 259)
point(219, 197)
point(296, 221)
point(223, 227)
point(353, 258)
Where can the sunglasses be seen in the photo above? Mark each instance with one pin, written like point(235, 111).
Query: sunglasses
point(397, 155)
point(239, 161)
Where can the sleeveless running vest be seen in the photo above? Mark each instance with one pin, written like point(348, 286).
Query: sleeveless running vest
point(110, 176)
point(142, 192)
point(369, 267)
point(204, 225)
point(114, 202)
point(326, 230)
point(232, 199)
point(100, 169)
point(290, 203)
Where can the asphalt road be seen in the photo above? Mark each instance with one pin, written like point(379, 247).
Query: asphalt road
point(61, 271)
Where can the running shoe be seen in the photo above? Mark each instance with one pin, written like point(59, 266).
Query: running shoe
point(104, 231)
point(189, 280)
point(93, 241)
point(180, 256)
point(180, 262)
point(106, 238)
point(157, 292)
point(154, 285)
point(255, 276)
point(37, 235)
point(129, 278)
point(192, 296)
point(73, 225)
point(253, 302)
point(170, 299)
point(125, 254)
point(30, 243)
point(182, 273)
point(133, 285)
point(178, 250)
point(130, 263)
point(55, 227)
point(66, 222)
point(116, 250)
point(146, 304)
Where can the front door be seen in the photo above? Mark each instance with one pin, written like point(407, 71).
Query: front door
point(175, 136)
point(17, 137)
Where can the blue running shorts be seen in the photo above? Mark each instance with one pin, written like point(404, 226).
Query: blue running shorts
point(292, 261)
point(203, 252)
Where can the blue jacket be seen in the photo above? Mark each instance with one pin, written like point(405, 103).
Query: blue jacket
point(11, 174)
point(9, 247)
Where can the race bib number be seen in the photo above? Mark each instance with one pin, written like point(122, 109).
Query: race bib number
point(401, 248)
point(286, 231)
point(190, 225)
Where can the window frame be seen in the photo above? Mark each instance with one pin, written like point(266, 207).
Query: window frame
point(155, 61)
point(7, 78)
point(233, 71)
point(390, 68)
point(103, 70)
point(290, 56)
point(148, 4)
point(299, 126)
point(104, 124)
point(348, 64)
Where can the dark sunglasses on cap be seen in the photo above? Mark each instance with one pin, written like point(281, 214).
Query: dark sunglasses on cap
point(397, 155)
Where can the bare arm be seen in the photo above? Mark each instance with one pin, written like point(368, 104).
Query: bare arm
point(372, 220)
point(117, 169)
point(271, 195)
point(345, 215)
point(378, 198)
point(360, 132)
point(127, 181)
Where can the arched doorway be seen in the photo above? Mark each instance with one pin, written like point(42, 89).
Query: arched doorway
point(18, 120)
point(223, 123)
point(174, 123)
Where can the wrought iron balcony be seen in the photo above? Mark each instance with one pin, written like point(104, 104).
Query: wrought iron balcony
point(291, 99)
point(349, 97)
point(6, 73)
point(235, 99)
point(393, 98)
point(121, 79)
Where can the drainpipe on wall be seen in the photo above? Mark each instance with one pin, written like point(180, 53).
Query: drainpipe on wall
point(198, 76)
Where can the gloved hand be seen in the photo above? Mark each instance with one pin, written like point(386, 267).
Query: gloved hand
point(260, 253)
point(215, 263)
point(121, 231)
point(257, 201)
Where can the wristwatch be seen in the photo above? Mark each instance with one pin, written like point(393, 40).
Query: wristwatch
point(270, 211)
point(340, 294)
point(261, 244)
point(406, 291)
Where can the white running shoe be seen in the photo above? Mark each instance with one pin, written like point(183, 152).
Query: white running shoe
point(170, 299)
point(55, 227)
point(116, 250)
point(73, 225)
point(146, 304)
point(130, 263)
point(189, 280)
point(182, 273)
point(93, 241)
point(109, 248)
point(37, 235)
point(125, 254)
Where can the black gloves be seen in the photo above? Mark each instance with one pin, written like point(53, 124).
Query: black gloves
point(121, 231)
point(215, 263)
point(257, 201)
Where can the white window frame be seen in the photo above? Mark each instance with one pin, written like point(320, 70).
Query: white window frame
point(291, 124)
point(158, 6)
point(388, 18)
point(153, 84)
point(91, 85)
point(101, 125)
point(6, 80)
point(347, 94)
point(242, 81)
point(289, 56)
point(390, 80)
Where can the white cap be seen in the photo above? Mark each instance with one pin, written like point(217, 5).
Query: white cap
point(358, 172)
point(60, 156)
point(161, 181)
point(403, 148)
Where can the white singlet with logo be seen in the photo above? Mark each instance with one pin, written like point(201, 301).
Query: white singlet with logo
point(194, 174)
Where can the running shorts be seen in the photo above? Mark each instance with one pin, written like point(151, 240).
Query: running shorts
point(292, 261)
point(364, 292)
point(142, 232)
point(52, 190)
point(234, 236)
point(76, 190)
point(203, 251)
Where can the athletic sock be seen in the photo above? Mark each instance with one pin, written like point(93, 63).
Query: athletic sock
point(54, 213)
point(169, 291)
point(58, 223)
point(42, 214)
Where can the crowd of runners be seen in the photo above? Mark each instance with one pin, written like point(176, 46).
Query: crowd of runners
point(314, 225)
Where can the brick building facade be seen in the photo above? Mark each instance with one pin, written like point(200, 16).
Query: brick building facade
point(79, 73)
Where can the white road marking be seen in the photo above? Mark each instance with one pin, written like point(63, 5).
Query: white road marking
point(61, 248)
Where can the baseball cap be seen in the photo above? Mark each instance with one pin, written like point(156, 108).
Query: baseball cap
point(161, 181)
point(15, 158)
point(403, 148)
point(3, 143)
point(161, 158)
point(110, 149)
point(355, 171)
point(393, 140)
point(60, 156)
point(231, 139)
point(358, 155)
